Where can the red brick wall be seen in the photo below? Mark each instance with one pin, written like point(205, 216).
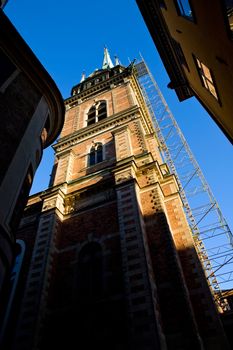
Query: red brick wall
point(117, 100)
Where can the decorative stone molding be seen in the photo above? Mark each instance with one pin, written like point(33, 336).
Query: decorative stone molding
point(123, 176)
point(81, 200)
point(95, 89)
point(87, 132)
point(69, 204)
point(55, 201)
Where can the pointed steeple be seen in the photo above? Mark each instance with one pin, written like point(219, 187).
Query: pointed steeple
point(83, 77)
point(117, 61)
point(107, 62)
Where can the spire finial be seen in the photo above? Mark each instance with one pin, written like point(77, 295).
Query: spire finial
point(83, 77)
point(107, 62)
point(117, 61)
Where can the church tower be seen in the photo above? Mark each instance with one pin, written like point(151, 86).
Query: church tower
point(110, 261)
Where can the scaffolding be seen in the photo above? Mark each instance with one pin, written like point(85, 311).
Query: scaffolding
point(212, 236)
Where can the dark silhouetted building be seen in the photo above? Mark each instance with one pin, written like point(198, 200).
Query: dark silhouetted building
point(3, 3)
point(32, 115)
point(195, 42)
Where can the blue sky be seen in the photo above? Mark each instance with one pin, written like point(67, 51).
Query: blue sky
point(69, 37)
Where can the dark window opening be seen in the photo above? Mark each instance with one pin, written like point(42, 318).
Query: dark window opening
point(91, 116)
point(99, 153)
point(184, 9)
point(92, 156)
point(96, 154)
point(97, 113)
point(102, 111)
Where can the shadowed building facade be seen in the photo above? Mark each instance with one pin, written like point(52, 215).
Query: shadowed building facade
point(32, 115)
point(194, 40)
point(110, 260)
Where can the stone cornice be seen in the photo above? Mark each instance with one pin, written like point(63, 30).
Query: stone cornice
point(86, 132)
point(120, 129)
point(121, 172)
point(97, 88)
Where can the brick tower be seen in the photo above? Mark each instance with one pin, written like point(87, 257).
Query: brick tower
point(110, 261)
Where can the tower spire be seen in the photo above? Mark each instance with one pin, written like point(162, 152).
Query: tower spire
point(117, 61)
point(107, 62)
point(83, 77)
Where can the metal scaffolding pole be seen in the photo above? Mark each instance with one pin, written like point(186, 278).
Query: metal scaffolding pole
point(212, 236)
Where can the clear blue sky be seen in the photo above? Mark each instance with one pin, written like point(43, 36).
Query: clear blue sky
point(69, 36)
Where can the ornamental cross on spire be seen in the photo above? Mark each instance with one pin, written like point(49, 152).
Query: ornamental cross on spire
point(107, 62)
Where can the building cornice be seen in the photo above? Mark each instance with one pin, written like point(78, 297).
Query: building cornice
point(157, 27)
point(96, 88)
point(87, 132)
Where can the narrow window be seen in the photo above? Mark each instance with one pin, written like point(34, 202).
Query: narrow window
point(184, 9)
point(96, 154)
point(206, 77)
point(91, 116)
point(229, 12)
point(97, 112)
point(99, 154)
point(102, 111)
point(92, 156)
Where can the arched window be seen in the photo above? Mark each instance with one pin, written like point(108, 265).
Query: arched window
point(99, 153)
point(97, 113)
point(92, 160)
point(91, 116)
point(102, 111)
point(96, 154)
point(90, 271)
